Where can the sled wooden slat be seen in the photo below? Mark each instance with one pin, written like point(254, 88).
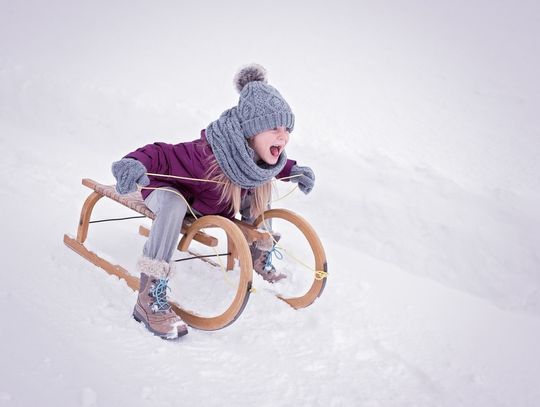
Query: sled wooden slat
point(133, 201)
point(118, 271)
point(144, 231)
point(251, 233)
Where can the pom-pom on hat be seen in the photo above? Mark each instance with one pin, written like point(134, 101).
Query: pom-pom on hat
point(249, 73)
point(261, 107)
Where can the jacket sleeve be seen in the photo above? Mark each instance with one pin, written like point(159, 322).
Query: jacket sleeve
point(286, 171)
point(152, 156)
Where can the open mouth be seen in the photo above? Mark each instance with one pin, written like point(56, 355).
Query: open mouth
point(275, 151)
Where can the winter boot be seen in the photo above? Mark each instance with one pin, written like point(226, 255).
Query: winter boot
point(152, 308)
point(261, 254)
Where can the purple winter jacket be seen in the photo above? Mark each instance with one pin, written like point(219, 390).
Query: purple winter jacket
point(189, 159)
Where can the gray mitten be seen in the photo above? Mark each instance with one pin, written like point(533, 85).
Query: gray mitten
point(128, 173)
point(306, 180)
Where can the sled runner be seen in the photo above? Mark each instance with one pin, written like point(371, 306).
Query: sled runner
point(238, 235)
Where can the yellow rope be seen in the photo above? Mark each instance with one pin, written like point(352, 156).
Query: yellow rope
point(286, 195)
point(184, 178)
point(319, 274)
point(174, 192)
point(291, 191)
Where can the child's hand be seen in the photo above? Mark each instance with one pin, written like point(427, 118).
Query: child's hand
point(128, 173)
point(306, 178)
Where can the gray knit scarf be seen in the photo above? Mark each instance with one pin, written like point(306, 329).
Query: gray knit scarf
point(235, 157)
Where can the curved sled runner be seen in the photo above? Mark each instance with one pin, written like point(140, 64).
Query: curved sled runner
point(238, 235)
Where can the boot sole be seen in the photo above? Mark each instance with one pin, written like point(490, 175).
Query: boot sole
point(137, 317)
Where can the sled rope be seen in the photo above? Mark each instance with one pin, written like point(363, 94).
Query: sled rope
point(184, 178)
point(286, 195)
point(219, 182)
point(319, 274)
point(207, 180)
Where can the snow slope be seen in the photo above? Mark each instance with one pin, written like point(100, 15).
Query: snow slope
point(420, 124)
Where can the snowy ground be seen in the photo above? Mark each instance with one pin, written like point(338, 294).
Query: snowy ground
point(420, 123)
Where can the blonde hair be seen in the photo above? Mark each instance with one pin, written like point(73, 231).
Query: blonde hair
point(232, 193)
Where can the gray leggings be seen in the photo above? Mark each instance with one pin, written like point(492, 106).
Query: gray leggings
point(170, 210)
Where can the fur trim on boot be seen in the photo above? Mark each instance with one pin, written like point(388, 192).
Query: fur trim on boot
point(154, 268)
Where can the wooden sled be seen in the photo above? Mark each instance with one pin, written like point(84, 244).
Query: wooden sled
point(238, 234)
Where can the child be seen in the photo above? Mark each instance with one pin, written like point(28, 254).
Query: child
point(239, 153)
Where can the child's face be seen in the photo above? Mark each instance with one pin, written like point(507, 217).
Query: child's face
point(269, 144)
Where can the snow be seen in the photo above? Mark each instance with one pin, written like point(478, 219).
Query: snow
point(420, 123)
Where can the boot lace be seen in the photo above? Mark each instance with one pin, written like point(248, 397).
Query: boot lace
point(159, 293)
point(268, 260)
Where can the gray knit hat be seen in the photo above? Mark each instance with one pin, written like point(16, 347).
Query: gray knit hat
point(261, 107)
